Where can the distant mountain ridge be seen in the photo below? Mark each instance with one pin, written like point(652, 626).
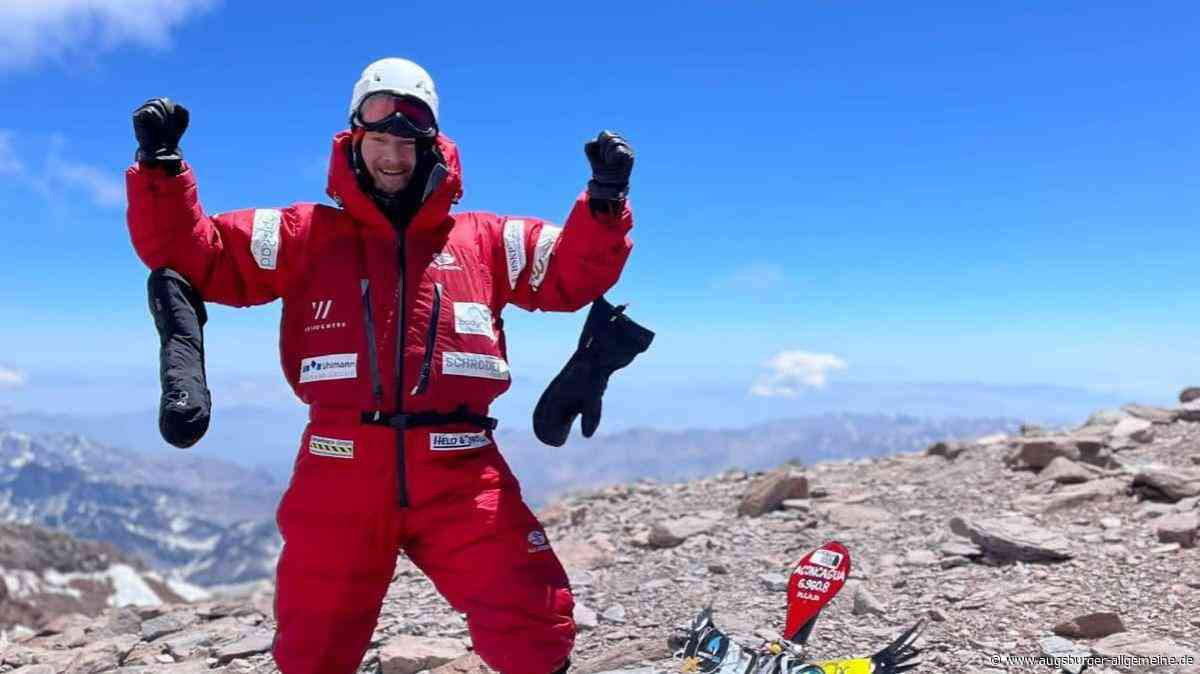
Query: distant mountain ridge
point(267, 435)
point(205, 521)
point(679, 455)
point(210, 522)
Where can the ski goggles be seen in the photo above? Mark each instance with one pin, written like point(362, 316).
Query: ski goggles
point(403, 116)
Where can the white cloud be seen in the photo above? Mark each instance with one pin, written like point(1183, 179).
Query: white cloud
point(102, 186)
point(11, 377)
point(790, 372)
point(753, 277)
point(9, 164)
point(59, 175)
point(32, 31)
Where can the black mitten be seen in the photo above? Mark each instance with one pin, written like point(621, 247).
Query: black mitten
point(158, 125)
point(611, 159)
point(179, 316)
point(609, 342)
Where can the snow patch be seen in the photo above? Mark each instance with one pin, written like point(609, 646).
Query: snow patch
point(18, 461)
point(56, 507)
point(173, 542)
point(130, 588)
point(11, 584)
point(187, 590)
point(62, 582)
point(22, 583)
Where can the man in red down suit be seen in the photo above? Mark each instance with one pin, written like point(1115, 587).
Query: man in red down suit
point(391, 333)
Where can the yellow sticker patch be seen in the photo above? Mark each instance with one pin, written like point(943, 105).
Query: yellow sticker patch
point(341, 449)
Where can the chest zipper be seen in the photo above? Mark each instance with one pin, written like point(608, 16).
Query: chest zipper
point(430, 341)
point(401, 485)
point(372, 352)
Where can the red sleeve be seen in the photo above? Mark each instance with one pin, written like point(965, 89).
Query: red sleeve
point(238, 258)
point(541, 266)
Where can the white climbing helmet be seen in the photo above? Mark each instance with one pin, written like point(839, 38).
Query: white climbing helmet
point(398, 76)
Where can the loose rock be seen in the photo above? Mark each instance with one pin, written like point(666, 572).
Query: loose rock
point(670, 533)
point(1014, 538)
point(1181, 528)
point(770, 491)
point(406, 654)
point(1090, 626)
point(1158, 484)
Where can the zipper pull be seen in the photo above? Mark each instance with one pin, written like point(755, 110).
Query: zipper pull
point(422, 380)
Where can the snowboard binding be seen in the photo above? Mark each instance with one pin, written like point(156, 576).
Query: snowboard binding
point(815, 580)
point(704, 648)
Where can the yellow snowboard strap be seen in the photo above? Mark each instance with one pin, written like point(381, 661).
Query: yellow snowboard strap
point(848, 666)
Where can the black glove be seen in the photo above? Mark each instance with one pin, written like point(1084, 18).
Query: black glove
point(179, 316)
point(609, 342)
point(158, 125)
point(612, 162)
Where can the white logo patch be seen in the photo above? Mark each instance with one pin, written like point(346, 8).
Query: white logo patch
point(541, 254)
point(538, 540)
point(445, 261)
point(472, 318)
point(514, 249)
point(445, 442)
point(264, 238)
point(341, 449)
point(474, 365)
point(333, 366)
point(321, 309)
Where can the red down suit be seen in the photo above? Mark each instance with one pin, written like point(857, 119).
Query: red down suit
point(361, 493)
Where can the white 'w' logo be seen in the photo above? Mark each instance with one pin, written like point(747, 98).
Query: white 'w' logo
point(321, 309)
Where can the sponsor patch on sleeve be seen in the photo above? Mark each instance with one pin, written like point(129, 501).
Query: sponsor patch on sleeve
point(474, 365)
point(472, 318)
point(341, 449)
point(541, 254)
point(264, 238)
point(514, 249)
point(332, 366)
point(537, 541)
point(448, 442)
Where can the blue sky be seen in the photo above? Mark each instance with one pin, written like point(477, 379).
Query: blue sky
point(826, 193)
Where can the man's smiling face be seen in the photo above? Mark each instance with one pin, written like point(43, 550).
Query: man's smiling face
point(389, 159)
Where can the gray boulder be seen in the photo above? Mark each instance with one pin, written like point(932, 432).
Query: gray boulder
point(1158, 484)
point(1014, 537)
point(768, 492)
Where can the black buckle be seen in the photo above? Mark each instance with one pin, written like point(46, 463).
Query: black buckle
point(377, 418)
point(403, 421)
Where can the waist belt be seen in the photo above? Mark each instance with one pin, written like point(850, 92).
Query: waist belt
point(418, 419)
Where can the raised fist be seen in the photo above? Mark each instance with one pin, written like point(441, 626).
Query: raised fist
point(158, 125)
point(612, 162)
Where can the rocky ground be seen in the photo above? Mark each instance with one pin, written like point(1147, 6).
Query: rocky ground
point(1055, 542)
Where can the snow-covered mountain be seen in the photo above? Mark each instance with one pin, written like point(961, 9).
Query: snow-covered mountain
point(45, 574)
point(196, 519)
